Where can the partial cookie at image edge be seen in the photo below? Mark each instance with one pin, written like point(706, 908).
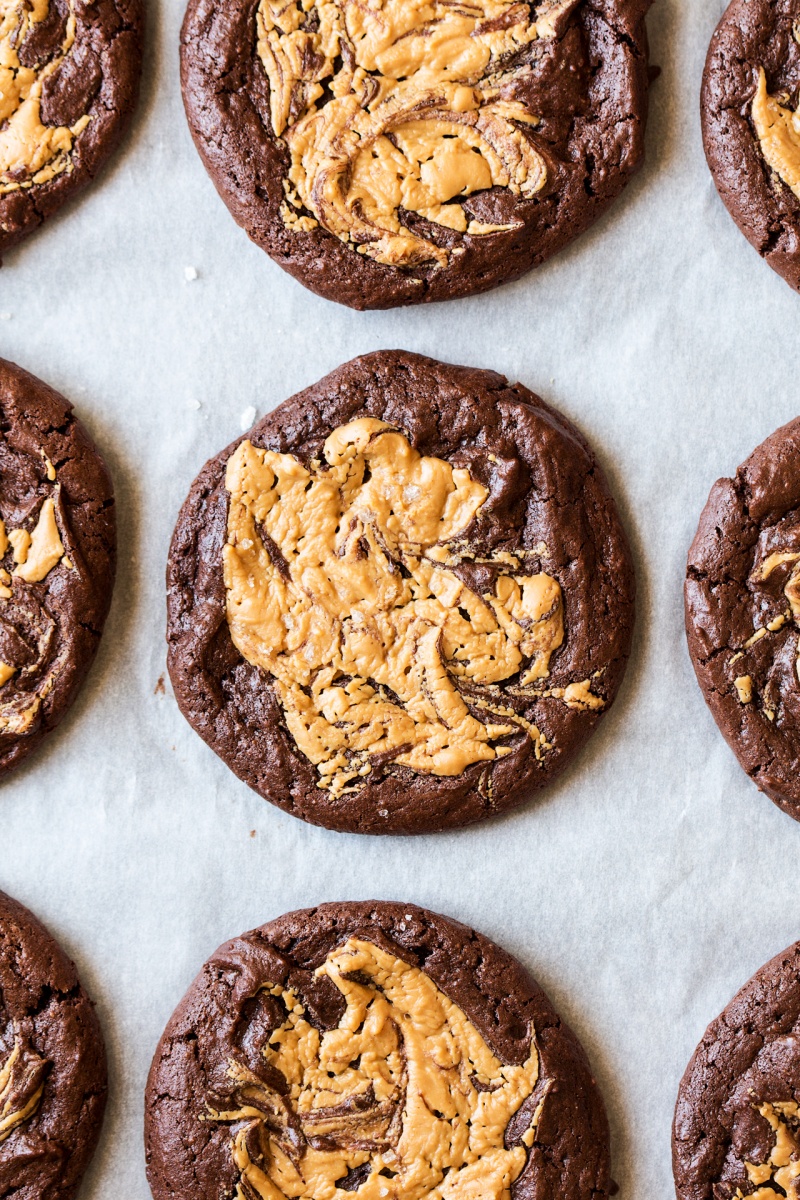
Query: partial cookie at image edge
point(555, 1143)
point(53, 1076)
point(742, 614)
point(736, 1130)
point(72, 88)
point(750, 107)
point(583, 94)
point(58, 556)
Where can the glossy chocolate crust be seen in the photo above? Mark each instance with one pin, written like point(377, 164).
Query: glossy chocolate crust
point(747, 517)
point(589, 84)
point(753, 34)
point(35, 421)
point(99, 77)
point(42, 999)
point(545, 486)
point(188, 1159)
point(748, 1056)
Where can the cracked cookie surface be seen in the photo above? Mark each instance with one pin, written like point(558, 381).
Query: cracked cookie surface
point(743, 613)
point(57, 557)
point(375, 1049)
point(403, 601)
point(413, 150)
point(69, 80)
point(737, 1120)
point(751, 125)
point(52, 1064)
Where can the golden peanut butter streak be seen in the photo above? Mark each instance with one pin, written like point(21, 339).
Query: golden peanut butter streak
point(33, 556)
point(30, 151)
point(404, 1096)
point(779, 1175)
point(339, 584)
point(778, 130)
point(397, 106)
point(743, 684)
point(22, 1077)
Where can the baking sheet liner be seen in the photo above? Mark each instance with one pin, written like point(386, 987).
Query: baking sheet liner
point(652, 879)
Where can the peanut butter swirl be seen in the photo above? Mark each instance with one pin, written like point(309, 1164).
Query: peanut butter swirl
point(743, 684)
point(30, 151)
point(22, 1077)
point(778, 130)
point(395, 107)
point(779, 1175)
point(402, 1100)
point(28, 554)
point(340, 585)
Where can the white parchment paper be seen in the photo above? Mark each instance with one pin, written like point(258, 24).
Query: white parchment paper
point(653, 879)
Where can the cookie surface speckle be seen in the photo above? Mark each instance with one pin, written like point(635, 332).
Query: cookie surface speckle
point(286, 993)
point(404, 601)
point(52, 1064)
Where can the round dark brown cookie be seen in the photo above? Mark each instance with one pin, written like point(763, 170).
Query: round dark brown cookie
point(419, 150)
point(737, 1121)
point(443, 604)
point(751, 125)
point(52, 1064)
point(57, 557)
point(382, 1051)
point(743, 610)
point(69, 80)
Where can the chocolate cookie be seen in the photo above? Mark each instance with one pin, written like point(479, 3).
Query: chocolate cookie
point(69, 79)
point(403, 601)
point(375, 1049)
point(742, 612)
point(52, 1064)
point(751, 125)
point(737, 1120)
point(57, 554)
point(415, 150)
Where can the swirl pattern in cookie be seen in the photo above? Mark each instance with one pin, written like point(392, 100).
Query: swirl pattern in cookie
point(69, 77)
point(385, 153)
point(31, 152)
point(376, 1049)
point(414, 117)
point(403, 1088)
point(340, 584)
point(22, 1077)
